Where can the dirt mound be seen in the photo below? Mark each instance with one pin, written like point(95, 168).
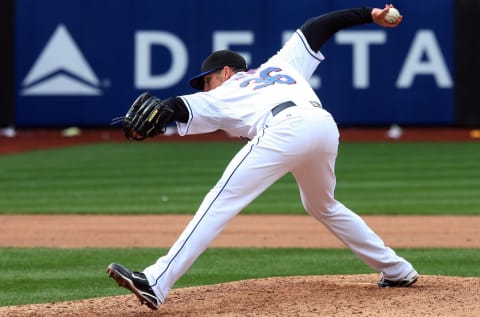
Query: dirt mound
point(339, 295)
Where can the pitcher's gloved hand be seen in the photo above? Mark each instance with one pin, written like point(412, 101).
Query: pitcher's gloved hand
point(147, 117)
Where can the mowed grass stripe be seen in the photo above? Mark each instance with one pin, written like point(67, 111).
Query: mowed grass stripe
point(373, 178)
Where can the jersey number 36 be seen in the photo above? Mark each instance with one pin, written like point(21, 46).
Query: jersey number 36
point(268, 78)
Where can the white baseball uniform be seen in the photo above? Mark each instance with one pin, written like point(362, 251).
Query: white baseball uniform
point(298, 137)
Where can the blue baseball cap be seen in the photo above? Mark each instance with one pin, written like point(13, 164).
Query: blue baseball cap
point(215, 61)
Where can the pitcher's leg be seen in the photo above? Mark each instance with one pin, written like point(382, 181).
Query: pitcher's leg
point(352, 230)
point(316, 180)
point(250, 172)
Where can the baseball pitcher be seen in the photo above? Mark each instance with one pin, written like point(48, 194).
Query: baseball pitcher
point(275, 108)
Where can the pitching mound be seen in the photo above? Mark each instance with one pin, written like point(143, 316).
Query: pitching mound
point(339, 295)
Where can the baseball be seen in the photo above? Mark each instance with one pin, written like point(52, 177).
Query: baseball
point(71, 132)
point(392, 15)
point(395, 132)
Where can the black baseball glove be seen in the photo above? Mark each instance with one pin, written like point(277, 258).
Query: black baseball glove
point(147, 117)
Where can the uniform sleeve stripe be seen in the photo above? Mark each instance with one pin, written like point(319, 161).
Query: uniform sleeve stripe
point(317, 55)
point(183, 128)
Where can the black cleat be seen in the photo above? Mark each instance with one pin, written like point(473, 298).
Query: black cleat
point(408, 280)
point(135, 282)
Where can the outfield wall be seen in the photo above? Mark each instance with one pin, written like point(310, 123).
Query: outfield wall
point(7, 63)
point(82, 62)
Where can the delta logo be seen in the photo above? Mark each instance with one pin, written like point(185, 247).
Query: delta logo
point(61, 70)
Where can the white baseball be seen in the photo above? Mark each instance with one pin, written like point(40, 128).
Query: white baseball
point(395, 132)
point(392, 15)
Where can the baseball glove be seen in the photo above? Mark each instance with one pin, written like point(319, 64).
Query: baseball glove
point(147, 117)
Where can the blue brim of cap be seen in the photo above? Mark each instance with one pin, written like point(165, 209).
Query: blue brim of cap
point(197, 81)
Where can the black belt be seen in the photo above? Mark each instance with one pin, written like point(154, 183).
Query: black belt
point(280, 107)
point(287, 104)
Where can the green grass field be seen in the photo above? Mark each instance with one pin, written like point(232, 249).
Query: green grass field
point(158, 178)
point(52, 275)
point(135, 178)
